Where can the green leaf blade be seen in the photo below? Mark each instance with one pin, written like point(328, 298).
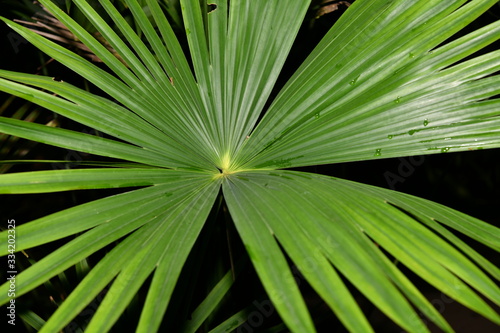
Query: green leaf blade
point(269, 262)
point(92, 214)
point(338, 216)
point(66, 180)
point(371, 106)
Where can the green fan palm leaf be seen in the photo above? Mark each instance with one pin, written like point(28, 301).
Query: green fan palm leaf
point(397, 95)
point(85, 143)
point(389, 79)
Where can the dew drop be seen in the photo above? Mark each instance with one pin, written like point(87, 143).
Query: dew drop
point(411, 132)
point(411, 55)
point(390, 136)
point(353, 81)
point(378, 152)
point(426, 122)
point(316, 115)
point(445, 149)
point(397, 100)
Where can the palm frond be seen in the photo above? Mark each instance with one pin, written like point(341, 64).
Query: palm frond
point(320, 222)
point(389, 79)
point(378, 91)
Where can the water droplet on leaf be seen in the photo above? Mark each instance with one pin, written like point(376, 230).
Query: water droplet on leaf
point(389, 137)
point(411, 132)
point(397, 100)
point(378, 152)
point(316, 115)
point(426, 122)
point(353, 81)
point(445, 149)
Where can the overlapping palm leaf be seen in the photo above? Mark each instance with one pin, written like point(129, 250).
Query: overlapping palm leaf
point(381, 83)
